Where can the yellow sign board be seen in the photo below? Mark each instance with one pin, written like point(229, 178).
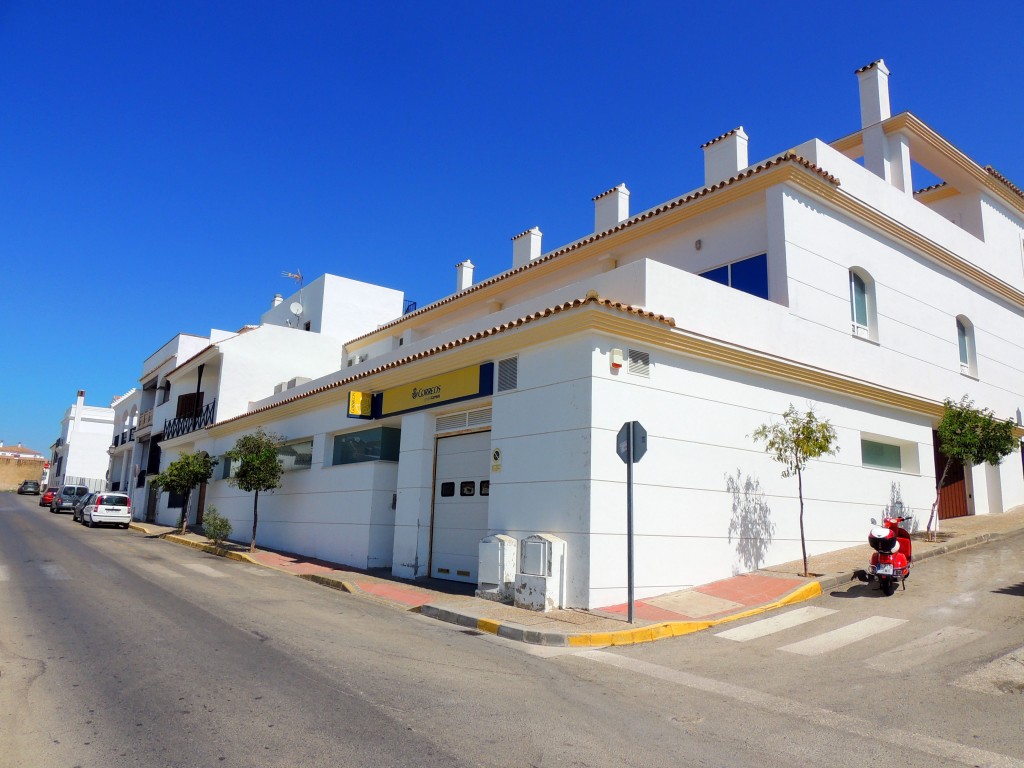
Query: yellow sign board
point(456, 385)
point(360, 405)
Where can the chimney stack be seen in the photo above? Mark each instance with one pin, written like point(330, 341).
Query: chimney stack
point(277, 300)
point(874, 93)
point(611, 208)
point(725, 156)
point(526, 247)
point(465, 274)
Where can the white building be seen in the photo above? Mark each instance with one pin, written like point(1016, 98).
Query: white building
point(289, 348)
point(818, 275)
point(79, 455)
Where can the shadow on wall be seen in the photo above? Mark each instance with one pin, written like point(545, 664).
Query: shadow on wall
point(751, 523)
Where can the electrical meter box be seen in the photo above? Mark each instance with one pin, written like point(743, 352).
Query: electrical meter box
point(540, 582)
point(496, 571)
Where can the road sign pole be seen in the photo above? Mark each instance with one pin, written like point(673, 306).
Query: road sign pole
point(629, 521)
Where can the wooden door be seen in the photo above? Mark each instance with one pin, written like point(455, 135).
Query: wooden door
point(953, 493)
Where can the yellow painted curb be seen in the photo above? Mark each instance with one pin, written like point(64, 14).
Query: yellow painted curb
point(488, 625)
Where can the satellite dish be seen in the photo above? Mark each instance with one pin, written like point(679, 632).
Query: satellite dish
point(296, 308)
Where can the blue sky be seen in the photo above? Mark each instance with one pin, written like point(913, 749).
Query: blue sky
point(163, 162)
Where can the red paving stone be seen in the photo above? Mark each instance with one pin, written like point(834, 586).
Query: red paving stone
point(395, 592)
point(751, 588)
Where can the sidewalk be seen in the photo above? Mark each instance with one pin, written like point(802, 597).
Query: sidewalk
point(672, 615)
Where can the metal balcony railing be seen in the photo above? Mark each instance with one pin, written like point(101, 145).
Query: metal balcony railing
point(185, 424)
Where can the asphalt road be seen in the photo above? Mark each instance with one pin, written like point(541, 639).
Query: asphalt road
point(121, 650)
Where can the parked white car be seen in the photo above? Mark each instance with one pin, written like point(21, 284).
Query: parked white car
point(110, 507)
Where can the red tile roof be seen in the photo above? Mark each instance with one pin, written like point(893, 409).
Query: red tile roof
point(717, 139)
point(608, 192)
point(591, 298)
point(1010, 185)
point(786, 157)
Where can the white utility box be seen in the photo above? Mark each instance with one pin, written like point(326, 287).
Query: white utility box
point(496, 572)
point(540, 583)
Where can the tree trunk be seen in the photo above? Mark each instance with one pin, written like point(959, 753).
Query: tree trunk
point(184, 510)
point(935, 504)
point(803, 540)
point(255, 519)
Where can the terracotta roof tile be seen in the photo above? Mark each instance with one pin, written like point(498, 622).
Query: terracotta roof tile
point(608, 192)
point(921, 191)
point(786, 157)
point(1013, 187)
point(866, 67)
point(591, 298)
point(725, 135)
point(526, 232)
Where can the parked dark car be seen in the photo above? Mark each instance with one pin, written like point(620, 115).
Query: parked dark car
point(76, 508)
point(29, 487)
point(66, 497)
point(48, 495)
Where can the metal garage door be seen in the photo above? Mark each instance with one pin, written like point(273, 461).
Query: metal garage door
point(461, 489)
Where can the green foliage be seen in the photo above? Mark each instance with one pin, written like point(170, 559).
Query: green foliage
point(183, 474)
point(798, 439)
point(972, 436)
point(794, 442)
point(259, 468)
point(215, 527)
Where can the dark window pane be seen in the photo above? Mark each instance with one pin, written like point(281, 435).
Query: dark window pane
point(467, 488)
point(751, 275)
point(377, 444)
point(719, 275)
point(448, 489)
point(485, 487)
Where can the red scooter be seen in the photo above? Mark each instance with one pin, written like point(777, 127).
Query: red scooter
point(891, 561)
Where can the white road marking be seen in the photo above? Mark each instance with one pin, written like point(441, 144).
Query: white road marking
point(775, 623)
point(838, 638)
point(54, 571)
point(925, 648)
point(924, 743)
point(205, 570)
point(1004, 675)
point(158, 570)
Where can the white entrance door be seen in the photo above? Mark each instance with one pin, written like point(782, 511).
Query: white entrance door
point(461, 489)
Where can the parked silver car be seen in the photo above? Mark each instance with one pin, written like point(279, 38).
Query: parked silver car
point(66, 497)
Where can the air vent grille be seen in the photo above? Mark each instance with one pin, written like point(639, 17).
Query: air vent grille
point(508, 374)
point(639, 363)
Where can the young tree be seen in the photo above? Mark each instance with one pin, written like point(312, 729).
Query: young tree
point(259, 468)
point(971, 436)
point(793, 443)
point(184, 474)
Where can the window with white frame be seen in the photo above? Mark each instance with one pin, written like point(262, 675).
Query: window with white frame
point(965, 345)
point(748, 275)
point(881, 452)
point(862, 305)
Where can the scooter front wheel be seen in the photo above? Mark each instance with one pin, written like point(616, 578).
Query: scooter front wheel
point(888, 586)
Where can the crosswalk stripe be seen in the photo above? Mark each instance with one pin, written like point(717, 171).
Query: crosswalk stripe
point(837, 638)
point(158, 570)
point(1003, 675)
point(926, 647)
point(774, 624)
point(205, 570)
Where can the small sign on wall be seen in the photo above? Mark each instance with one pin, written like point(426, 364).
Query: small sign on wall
point(360, 405)
point(496, 460)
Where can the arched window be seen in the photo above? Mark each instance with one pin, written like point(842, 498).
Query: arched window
point(965, 344)
point(862, 305)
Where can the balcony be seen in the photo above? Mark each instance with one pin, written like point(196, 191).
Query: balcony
point(126, 436)
point(146, 419)
point(185, 424)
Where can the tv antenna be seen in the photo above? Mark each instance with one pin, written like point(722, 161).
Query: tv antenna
point(296, 306)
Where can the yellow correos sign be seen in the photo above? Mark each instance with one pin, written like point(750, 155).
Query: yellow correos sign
point(457, 385)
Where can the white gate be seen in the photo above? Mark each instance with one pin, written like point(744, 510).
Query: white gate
point(461, 490)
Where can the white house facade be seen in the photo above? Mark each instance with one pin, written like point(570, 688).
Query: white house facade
point(79, 456)
point(475, 439)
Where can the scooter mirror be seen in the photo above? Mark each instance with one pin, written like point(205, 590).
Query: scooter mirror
point(873, 521)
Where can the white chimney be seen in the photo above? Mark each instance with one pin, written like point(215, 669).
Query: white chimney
point(874, 93)
point(526, 247)
point(79, 405)
point(611, 208)
point(725, 156)
point(465, 274)
point(888, 157)
point(277, 300)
